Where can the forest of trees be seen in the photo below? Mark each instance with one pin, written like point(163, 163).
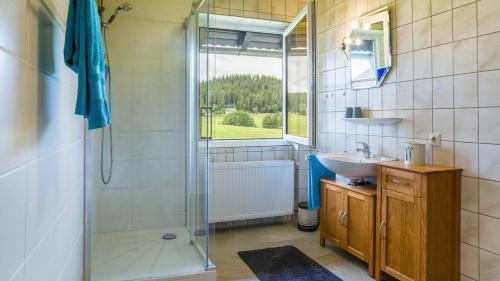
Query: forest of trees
point(251, 93)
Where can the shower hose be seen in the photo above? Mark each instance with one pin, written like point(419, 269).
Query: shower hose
point(107, 178)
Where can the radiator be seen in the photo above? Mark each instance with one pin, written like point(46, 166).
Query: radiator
point(250, 190)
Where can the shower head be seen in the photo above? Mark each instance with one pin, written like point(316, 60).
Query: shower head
point(124, 7)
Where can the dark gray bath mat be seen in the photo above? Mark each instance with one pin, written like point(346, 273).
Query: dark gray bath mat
point(285, 264)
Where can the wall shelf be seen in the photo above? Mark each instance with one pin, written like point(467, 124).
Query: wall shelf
point(374, 121)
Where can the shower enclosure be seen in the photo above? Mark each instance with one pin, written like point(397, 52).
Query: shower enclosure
point(159, 188)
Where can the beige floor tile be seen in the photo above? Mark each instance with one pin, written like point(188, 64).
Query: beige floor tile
point(229, 242)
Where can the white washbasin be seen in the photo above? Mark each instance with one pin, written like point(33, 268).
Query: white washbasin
point(351, 166)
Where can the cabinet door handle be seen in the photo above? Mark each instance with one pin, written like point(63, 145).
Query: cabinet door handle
point(381, 229)
point(340, 216)
point(397, 181)
point(343, 218)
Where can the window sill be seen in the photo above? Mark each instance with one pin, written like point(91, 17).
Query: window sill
point(244, 143)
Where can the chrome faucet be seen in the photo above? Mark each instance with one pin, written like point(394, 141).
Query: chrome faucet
point(365, 149)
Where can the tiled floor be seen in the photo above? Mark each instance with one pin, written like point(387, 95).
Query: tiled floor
point(133, 255)
point(231, 267)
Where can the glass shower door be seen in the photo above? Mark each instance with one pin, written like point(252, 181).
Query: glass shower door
point(199, 161)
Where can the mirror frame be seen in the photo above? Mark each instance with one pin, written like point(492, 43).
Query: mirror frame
point(379, 15)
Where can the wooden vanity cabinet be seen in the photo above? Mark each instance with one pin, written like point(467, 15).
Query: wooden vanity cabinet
point(347, 219)
point(418, 222)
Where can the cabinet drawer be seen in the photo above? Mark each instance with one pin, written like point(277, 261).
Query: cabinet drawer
point(401, 181)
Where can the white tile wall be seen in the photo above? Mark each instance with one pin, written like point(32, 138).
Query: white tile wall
point(447, 51)
point(41, 149)
point(251, 153)
point(147, 57)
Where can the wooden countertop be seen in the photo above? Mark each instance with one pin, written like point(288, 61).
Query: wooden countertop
point(369, 190)
point(422, 169)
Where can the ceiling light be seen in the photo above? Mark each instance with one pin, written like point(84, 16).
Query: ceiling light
point(366, 26)
point(355, 24)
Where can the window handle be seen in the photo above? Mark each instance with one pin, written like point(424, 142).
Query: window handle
point(210, 115)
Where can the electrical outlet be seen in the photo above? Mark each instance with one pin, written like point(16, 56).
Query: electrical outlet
point(435, 139)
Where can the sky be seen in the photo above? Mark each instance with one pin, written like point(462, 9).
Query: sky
point(231, 64)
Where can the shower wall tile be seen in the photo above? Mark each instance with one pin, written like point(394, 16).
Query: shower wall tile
point(454, 72)
point(489, 166)
point(41, 148)
point(13, 218)
point(421, 9)
point(470, 194)
point(488, 265)
point(442, 28)
point(422, 34)
point(489, 196)
point(488, 235)
point(488, 124)
point(14, 21)
point(277, 10)
point(442, 60)
point(442, 92)
point(469, 256)
point(466, 125)
point(465, 90)
point(488, 83)
point(464, 22)
point(149, 109)
point(15, 78)
point(470, 228)
point(488, 58)
point(465, 56)
point(488, 21)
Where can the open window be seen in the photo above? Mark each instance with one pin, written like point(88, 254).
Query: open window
point(298, 79)
point(245, 84)
point(260, 80)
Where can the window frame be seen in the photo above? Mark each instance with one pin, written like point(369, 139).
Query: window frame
point(210, 128)
point(308, 13)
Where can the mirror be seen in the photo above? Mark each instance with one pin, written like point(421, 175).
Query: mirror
point(368, 49)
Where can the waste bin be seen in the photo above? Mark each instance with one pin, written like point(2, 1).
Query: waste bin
point(307, 219)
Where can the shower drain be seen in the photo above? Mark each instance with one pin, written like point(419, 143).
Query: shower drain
point(169, 236)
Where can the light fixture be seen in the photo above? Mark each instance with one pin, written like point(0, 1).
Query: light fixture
point(355, 24)
point(357, 42)
point(366, 26)
point(345, 43)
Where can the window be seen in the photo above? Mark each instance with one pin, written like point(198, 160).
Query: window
point(245, 85)
point(260, 85)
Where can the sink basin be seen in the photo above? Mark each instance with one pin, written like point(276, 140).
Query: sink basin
point(352, 166)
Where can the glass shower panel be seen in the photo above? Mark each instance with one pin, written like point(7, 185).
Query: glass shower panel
point(211, 73)
point(199, 115)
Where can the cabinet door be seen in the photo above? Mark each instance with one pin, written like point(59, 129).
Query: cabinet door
point(358, 225)
point(400, 235)
point(332, 214)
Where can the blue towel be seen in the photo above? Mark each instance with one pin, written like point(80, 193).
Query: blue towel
point(316, 173)
point(84, 54)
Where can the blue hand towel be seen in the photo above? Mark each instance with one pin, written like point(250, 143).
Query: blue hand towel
point(84, 54)
point(316, 173)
